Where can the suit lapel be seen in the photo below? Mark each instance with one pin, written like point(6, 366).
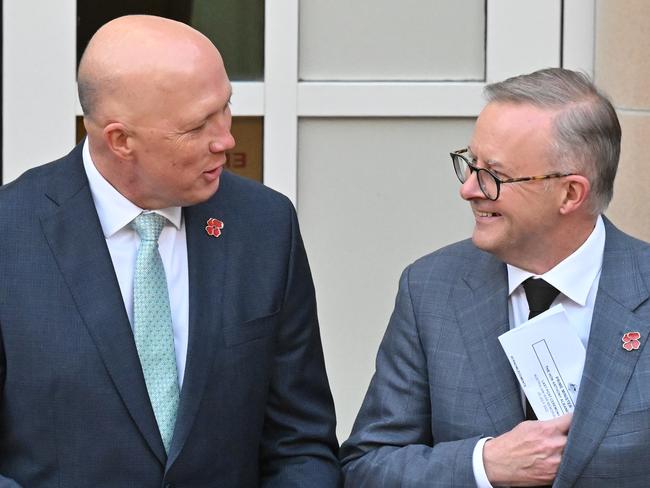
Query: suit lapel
point(483, 316)
point(207, 262)
point(73, 225)
point(608, 367)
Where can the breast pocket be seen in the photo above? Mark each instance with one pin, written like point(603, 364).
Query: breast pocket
point(622, 453)
point(251, 330)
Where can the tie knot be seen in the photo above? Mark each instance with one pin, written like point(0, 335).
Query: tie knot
point(539, 294)
point(149, 226)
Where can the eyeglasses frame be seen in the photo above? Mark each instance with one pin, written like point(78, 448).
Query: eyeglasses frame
point(475, 169)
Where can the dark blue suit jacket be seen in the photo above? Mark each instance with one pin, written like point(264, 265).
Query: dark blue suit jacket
point(255, 408)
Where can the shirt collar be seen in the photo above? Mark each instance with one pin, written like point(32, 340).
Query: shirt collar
point(574, 275)
point(115, 211)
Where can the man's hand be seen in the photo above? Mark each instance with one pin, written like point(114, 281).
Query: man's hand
point(529, 454)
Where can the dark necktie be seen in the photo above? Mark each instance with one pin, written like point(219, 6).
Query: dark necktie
point(540, 295)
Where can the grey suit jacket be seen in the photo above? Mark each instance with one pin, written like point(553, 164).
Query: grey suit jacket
point(442, 380)
point(255, 408)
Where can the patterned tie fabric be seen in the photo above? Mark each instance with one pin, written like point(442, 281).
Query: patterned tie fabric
point(540, 295)
point(153, 325)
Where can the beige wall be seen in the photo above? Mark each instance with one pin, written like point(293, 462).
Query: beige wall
point(622, 70)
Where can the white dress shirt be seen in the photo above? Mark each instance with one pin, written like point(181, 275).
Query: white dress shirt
point(115, 215)
point(577, 278)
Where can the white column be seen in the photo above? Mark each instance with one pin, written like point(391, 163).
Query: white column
point(39, 64)
point(280, 83)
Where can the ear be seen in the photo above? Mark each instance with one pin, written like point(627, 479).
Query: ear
point(118, 139)
point(576, 189)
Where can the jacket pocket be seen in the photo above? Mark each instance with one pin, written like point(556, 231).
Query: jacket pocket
point(250, 330)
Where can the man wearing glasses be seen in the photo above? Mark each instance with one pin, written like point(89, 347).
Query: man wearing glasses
point(444, 407)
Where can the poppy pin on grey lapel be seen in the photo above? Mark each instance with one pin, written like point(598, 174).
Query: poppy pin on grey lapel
point(631, 341)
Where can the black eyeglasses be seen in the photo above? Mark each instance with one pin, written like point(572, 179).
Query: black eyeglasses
point(489, 183)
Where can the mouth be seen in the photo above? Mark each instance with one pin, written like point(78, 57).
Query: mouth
point(483, 215)
point(215, 172)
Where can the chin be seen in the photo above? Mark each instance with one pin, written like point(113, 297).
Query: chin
point(208, 192)
point(487, 243)
point(213, 188)
point(481, 241)
point(201, 195)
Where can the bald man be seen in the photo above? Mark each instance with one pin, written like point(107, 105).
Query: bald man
point(156, 331)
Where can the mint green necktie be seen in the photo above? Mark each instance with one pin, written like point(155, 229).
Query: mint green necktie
point(153, 325)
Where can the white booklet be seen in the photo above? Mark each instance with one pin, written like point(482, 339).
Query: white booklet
point(547, 357)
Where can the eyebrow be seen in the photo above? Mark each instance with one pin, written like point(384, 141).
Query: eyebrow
point(492, 163)
point(496, 165)
point(196, 122)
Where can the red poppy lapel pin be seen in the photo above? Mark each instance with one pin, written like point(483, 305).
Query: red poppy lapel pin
point(631, 340)
point(213, 227)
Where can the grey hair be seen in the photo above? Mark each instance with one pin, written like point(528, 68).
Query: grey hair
point(87, 96)
point(587, 130)
point(87, 87)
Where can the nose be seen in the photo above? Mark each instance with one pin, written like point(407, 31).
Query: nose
point(470, 190)
point(223, 142)
point(222, 139)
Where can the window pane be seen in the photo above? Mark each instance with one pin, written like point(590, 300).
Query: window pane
point(389, 40)
point(246, 158)
point(236, 27)
point(373, 195)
